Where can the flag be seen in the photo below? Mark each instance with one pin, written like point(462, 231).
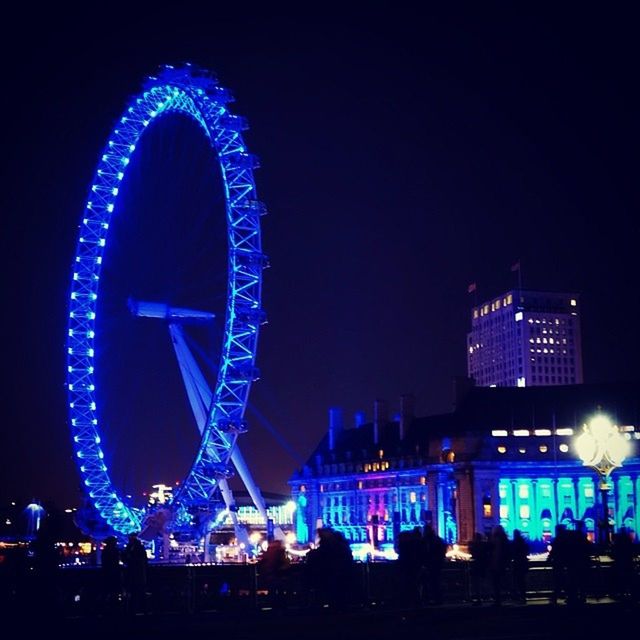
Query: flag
point(471, 288)
point(515, 266)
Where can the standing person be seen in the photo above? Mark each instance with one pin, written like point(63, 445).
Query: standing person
point(329, 568)
point(499, 556)
point(409, 565)
point(272, 567)
point(558, 557)
point(478, 548)
point(135, 558)
point(111, 572)
point(623, 564)
point(434, 549)
point(520, 564)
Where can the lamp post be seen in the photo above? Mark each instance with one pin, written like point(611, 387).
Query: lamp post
point(602, 447)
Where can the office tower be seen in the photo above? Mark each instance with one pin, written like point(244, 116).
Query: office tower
point(525, 338)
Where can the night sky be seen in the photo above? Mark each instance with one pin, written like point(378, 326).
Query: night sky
point(403, 157)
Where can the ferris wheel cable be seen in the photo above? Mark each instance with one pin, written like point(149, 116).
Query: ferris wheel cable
point(276, 434)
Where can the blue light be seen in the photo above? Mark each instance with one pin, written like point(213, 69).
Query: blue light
point(244, 287)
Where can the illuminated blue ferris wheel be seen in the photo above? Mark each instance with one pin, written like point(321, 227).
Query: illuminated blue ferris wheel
point(218, 409)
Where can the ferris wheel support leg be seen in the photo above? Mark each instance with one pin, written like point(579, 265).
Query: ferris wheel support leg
point(227, 495)
point(195, 384)
point(200, 396)
point(246, 477)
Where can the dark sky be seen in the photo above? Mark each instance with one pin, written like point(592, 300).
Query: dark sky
point(403, 157)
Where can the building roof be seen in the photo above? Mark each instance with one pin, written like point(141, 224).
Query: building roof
point(482, 409)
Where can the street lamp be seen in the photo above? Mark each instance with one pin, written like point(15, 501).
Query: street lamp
point(602, 447)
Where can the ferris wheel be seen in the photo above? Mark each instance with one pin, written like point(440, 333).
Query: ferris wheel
point(218, 409)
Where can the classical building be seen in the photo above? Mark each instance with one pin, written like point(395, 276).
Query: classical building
point(503, 456)
point(525, 338)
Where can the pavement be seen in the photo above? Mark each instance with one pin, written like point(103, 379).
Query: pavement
point(535, 620)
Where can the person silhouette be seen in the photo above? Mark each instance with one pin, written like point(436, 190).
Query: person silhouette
point(135, 559)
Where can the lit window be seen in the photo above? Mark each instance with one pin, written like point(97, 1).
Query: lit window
point(522, 450)
point(423, 480)
point(504, 511)
point(522, 382)
point(542, 432)
point(565, 431)
point(502, 449)
point(543, 448)
point(588, 491)
point(574, 302)
point(523, 490)
point(518, 317)
point(525, 512)
point(486, 506)
point(521, 432)
point(412, 497)
point(475, 313)
point(564, 448)
point(509, 299)
point(499, 433)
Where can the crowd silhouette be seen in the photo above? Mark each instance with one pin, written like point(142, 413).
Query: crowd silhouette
point(497, 571)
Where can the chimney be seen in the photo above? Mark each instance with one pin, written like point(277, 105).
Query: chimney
point(335, 426)
point(379, 418)
point(359, 418)
point(461, 388)
point(407, 413)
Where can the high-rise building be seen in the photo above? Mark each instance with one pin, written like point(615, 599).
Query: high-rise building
point(525, 338)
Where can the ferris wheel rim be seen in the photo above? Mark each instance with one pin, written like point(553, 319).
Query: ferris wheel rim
point(192, 92)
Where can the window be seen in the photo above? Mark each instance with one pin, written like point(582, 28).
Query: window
point(486, 506)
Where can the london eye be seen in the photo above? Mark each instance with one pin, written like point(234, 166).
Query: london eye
point(217, 407)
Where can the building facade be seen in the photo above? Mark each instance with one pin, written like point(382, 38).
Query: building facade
point(504, 456)
point(525, 338)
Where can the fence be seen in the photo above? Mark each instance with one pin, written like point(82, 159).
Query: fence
point(238, 587)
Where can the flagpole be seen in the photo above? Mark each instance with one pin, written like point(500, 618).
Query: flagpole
point(519, 275)
point(516, 266)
